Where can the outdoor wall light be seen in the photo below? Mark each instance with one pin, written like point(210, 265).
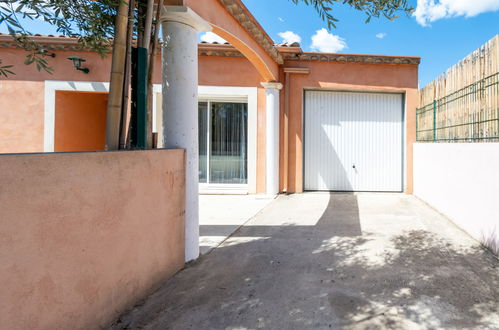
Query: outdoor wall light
point(77, 61)
point(45, 52)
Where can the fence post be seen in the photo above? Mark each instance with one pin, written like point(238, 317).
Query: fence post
point(434, 120)
point(417, 126)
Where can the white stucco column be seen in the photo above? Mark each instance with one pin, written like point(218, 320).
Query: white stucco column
point(272, 137)
point(180, 105)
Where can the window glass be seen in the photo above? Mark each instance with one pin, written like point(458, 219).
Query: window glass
point(203, 141)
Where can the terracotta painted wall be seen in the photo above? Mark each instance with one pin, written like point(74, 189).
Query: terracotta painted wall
point(21, 113)
point(237, 71)
point(83, 236)
point(346, 76)
point(219, 71)
point(63, 68)
point(22, 130)
point(80, 121)
point(227, 71)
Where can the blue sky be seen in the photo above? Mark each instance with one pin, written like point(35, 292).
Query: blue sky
point(444, 31)
point(444, 41)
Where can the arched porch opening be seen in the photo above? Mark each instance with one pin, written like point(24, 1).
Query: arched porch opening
point(251, 55)
point(231, 21)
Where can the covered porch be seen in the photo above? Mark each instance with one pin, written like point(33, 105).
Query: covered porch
point(179, 123)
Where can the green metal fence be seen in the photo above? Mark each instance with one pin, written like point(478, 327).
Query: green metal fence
point(470, 114)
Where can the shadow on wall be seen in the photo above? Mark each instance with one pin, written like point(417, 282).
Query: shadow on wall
point(293, 271)
point(332, 173)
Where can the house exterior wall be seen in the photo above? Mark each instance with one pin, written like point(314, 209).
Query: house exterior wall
point(86, 235)
point(345, 77)
point(460, 180)
point(21, 110)
point(80, 121)
point(237, 71)
point(214, 71)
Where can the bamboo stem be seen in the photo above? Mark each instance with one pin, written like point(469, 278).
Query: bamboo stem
point(126, 86)
point(152, 64)
point(117, 78)
point(148, 24)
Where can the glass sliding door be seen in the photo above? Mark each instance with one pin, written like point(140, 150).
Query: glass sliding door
point(223, 142)
point(203, 141)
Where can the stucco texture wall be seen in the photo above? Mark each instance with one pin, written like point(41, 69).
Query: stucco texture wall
point(226, 71)
point(22, 129)
point(21, 110)
point(460, 180)
point(80, 121)
point(238, 71)
point(85, 235)
point(351, 77)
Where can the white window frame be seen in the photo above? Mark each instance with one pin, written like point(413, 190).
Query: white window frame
point(51, 87)
point(213, 93)
point(227, 94)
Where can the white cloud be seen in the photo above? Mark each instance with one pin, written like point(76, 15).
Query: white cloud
point(380, 35)
point(428, 11)
point(211, 38)
point(289, 37)
point(326, 42)
point(280, 19)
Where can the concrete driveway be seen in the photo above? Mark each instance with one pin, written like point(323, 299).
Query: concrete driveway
point(341, 261)
point(222, 215)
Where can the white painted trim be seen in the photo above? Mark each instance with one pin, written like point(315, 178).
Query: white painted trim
point(272, 91)
point(156, 88)
point(405, 137)
point(223, 189)
point(228, 93)
point(51, 86)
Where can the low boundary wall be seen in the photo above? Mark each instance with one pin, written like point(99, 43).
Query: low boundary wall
point(83, 236)
point(461, 180)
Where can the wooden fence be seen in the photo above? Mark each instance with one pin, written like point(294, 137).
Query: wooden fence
point(462, 105)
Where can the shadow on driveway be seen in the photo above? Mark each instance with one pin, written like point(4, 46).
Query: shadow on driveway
point(321, 261)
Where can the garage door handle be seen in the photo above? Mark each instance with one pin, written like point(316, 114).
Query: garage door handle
point(353, 166)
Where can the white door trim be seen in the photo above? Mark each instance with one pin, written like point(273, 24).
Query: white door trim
point(227, 93)
point(51, 86)
point(212, 92)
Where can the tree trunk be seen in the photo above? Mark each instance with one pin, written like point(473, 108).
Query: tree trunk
point(126, 85)
point(113, 119)
point(148, 24)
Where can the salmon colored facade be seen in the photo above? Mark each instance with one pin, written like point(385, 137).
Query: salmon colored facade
point(250, 60)
point(361, 77)
point(80, 121)
point(219, 65)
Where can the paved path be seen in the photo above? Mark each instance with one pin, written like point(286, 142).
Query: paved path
point(221, 215)
point(341, 261)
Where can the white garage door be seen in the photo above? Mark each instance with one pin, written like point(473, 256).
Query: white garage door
point(353, 141)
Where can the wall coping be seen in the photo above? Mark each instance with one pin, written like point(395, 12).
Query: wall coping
point(51, 42)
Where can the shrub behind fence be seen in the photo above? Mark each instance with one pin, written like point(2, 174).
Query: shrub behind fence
point(462, 105)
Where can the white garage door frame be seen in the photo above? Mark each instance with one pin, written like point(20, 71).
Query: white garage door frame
point(402, 93)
